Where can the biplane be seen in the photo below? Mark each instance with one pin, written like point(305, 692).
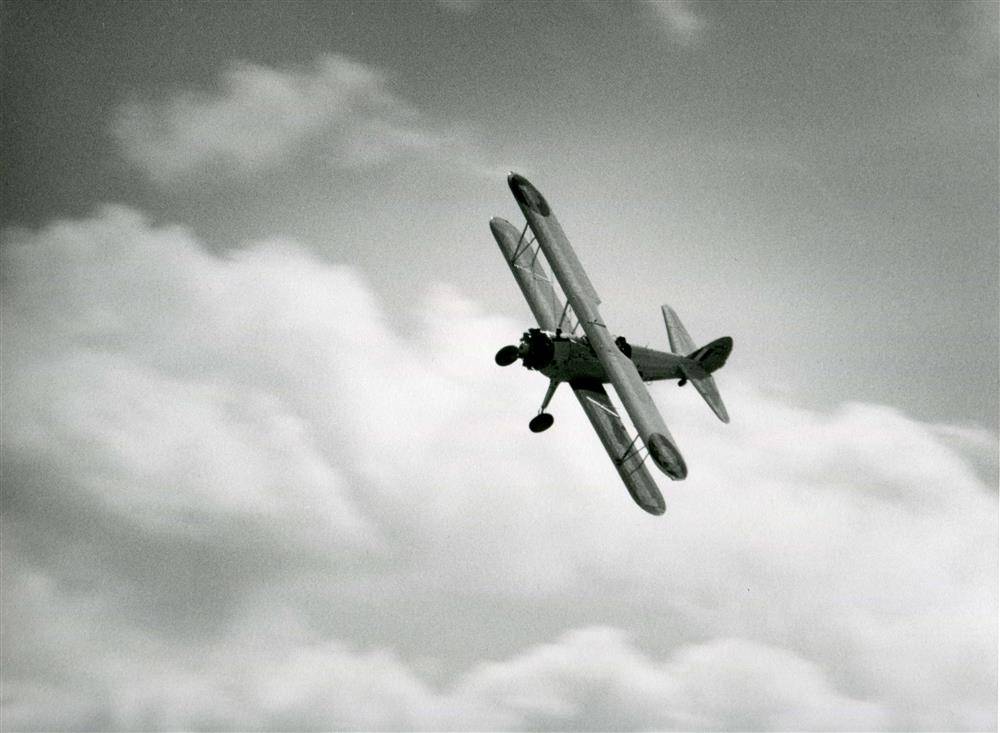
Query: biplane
point(595, 357)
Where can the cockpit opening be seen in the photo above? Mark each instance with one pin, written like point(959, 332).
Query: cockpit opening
point(624, 346)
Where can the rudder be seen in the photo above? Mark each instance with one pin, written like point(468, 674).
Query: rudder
point(712, 357)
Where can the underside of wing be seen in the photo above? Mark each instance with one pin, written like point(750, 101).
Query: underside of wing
point(531, 276)
point(622, 451)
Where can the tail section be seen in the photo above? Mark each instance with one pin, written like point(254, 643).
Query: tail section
point(712, 357)
point(703, 361)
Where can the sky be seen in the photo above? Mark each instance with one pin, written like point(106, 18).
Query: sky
point(260, 472)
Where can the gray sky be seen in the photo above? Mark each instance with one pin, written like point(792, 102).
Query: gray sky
point(259, 470)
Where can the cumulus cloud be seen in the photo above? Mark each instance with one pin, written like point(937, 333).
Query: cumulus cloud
point(596, 679)
point(678, 19)
point(262, 116)
point(237, 494)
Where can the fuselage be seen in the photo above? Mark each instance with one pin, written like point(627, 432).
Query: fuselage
point(567, 358)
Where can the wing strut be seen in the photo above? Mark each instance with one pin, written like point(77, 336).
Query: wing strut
point(635, 450)
point(563, 319)
point(631, 450)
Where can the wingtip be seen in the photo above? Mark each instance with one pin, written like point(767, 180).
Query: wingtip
point(657, 510)
point(719, 408)
point(666, 456)
point(526, 195)
point(516, 182)
point(502, 228)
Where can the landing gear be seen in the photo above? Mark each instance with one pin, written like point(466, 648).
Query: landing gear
point(507, 355)
point(541, 422)
point(682, 382)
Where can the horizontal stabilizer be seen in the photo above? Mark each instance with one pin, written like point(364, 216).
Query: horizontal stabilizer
point(707, 389)
point(700, 363)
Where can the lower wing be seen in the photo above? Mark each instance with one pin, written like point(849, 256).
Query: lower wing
point(624, 452)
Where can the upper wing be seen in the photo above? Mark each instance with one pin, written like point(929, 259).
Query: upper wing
point(623, 453)
point(582, 296)
point(529, 273)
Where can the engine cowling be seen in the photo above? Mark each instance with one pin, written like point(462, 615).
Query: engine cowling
point(537, 349)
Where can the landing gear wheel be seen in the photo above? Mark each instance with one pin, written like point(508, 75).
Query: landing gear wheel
point(506, 356)
point(541, 422)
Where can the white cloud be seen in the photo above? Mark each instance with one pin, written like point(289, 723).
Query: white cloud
point(678, 19)
point(236, 495)
point(262, 116)
point(595, 678)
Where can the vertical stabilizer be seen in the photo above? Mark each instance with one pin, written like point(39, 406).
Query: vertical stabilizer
point(680, 341)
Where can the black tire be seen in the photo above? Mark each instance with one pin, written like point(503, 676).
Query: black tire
point(541, 422)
